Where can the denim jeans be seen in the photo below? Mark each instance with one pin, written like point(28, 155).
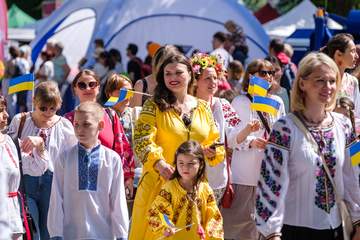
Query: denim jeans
point(38, 191)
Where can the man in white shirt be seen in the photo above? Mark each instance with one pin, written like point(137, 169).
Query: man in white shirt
point(218, 46)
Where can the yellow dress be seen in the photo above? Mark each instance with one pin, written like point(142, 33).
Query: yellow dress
point(157, 135)
point(173, 202)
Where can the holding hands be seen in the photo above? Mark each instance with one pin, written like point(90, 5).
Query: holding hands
point(166, 170)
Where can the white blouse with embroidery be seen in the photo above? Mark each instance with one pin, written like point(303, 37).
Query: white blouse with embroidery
point(57, 138)
point(246, 161)
point(88, 187)
point(293, 188)
point(33, 164)
point(226, 120)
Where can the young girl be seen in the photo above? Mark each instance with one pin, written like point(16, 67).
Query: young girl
point(187, 199)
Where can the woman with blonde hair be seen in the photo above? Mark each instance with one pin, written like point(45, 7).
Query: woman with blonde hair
point(295, 195)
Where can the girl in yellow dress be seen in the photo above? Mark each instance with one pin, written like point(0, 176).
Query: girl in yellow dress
point(187, 199)
point(167, 120)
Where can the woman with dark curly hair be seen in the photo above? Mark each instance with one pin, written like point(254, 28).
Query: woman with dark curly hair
point(167, 120)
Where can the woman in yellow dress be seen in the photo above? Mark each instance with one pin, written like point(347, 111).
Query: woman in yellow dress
point(167, 120)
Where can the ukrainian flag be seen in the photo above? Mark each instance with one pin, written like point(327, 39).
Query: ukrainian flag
point(265, 104)
point(124, 94)
point(260, 86)
point(22, 83)
point(355, 153)
point(165, 220)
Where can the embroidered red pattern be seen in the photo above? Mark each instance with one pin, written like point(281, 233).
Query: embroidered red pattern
point(11, 156)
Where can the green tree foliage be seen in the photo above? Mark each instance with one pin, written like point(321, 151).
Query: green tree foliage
point(31, 7)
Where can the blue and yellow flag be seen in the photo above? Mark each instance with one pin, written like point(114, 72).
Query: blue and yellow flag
point(258, 86)
point(355, 153)
point(124, 94)
point(265, 104)
point(165, 220)
point(22, 83)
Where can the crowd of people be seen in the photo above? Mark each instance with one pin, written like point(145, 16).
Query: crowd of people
point(190, 153)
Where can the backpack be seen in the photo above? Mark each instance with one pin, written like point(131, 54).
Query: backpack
point(145, 70)
point(288, 76)
point(19, 69)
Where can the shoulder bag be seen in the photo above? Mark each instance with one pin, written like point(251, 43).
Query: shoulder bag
point(28, 220)
point(345, 218)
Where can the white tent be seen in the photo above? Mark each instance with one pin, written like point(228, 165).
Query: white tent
point(186, 23)
point(300, 17)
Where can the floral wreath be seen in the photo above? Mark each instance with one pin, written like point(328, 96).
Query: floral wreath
point(199, 61)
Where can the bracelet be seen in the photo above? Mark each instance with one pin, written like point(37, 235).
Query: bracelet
point(40, 151)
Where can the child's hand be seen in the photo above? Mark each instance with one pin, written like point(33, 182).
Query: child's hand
point(253, 126)
point(129, 184)
point(209, 152)
point(166, 170)
point(169, 232)
point(259, 143)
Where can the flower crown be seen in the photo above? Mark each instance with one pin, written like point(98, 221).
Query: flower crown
point(199, 61)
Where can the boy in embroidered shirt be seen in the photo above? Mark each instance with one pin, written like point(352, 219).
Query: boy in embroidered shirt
point(88, 196)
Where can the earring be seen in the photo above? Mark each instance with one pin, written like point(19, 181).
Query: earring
point(340, 62)
point(303, 94)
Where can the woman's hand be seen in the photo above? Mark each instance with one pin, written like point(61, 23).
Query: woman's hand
point(169, 232)
point(129, 184)
point(31, 142)
point(259, 143)
point(166, 170)
point(209, 152)
point(253, 126)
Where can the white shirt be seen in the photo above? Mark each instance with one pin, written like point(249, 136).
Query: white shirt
point(225, 119)
point(33, 164)
point(5, 230)
point(57, 138)
point(47, 69)
point(292, 187)
point(88, 199)
point(246, 161)
point(100, 70)
point(224, 56)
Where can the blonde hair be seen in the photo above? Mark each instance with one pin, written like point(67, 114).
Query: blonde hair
point(230, 25)
point(306, 67)
point(115, 82)
point(47, 94)
point(91, 107)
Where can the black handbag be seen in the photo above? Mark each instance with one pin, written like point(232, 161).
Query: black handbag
point(28, 221)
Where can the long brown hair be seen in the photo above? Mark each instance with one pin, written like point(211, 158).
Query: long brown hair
point(163, 97)
point(346, 103)
point(338, 42)
point(194, 149)
point(253, 67)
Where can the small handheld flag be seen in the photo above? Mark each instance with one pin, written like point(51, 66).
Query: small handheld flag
point(165, 220)
point(265, 104)
point(258, 86)
point(124, 94)
point(355, 153)
point(22, 83)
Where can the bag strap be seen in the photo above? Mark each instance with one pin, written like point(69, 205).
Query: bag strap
point(301, 125)
point(145, 86)
point(22, 122)
point(260, 115)
point(227, 161)
point(108, 110)
point(14, 137)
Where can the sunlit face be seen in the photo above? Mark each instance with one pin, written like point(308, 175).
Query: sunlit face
point(3, 117)
point(187, 166)
point(177, 77)
point(90, 92)
point(116, 93)
point(350, 56)
point(43, 111)
point(320, 85)
point(207, 82)
point(86, 128)
point(278, 72)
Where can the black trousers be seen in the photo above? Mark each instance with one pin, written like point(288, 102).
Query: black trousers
point(302, 233)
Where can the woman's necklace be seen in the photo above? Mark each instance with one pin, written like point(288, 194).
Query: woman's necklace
point(313, 122)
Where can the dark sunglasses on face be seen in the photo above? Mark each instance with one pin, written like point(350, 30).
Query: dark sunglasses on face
point(83, 85)
point(263, 73)
point(44, 109)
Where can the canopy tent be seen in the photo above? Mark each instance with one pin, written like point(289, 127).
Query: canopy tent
point(266, 13)
point(18, 18)
point(3, 28)
point(300, 17)
point(187, 23)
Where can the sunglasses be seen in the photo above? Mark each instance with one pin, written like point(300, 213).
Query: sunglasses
point(83, 85)
point(44, 109)
point(263, 73)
